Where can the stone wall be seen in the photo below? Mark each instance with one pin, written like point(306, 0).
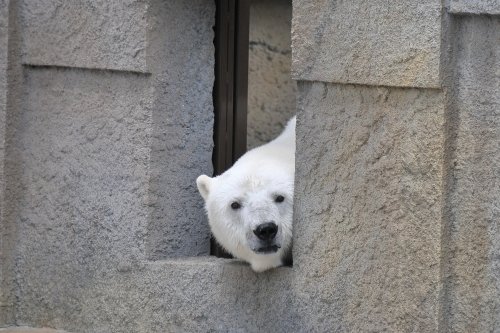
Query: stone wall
point(5, 300)
point(471, 242)
point(401, 137)
point(396, 202)
point(371, 133)
point(367, 42)
point(10, 86)
point(108, 128)
point(86, 34)
point(380, 230)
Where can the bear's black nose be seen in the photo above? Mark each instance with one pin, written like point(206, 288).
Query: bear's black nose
point(266, 231)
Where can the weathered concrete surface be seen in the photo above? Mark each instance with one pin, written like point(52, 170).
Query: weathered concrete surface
point(82, 208)
point(472, 238)
point(92, 34)
point(491, 7)
point(5, 300)
point(103, 168)
point(29, 330)
point(368, 207)
point(10, 84)
point(81, 194)
point(182, 125)
point(367, 42)
point(271, 91)
point(202, 294)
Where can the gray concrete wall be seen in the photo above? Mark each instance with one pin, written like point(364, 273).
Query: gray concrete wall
point(5, 307)
point(376, 157)
point(370, 143)
point(367, 42)
point(271, 90)
point(90, 34)
point(396, 201)
point(403, 224)
point(471, 243)
point(103, 160)
point(174, 149)
point(468, 7)
point(10, 86)
point(182, 125)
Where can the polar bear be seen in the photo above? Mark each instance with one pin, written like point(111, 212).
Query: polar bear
point(250, 206)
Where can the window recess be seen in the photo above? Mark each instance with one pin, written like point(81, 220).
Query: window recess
point(230, 88)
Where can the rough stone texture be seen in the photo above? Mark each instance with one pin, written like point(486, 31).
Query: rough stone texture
point(367, 243)
point(10, 83)
point(92, 34)
point(103, 168)
point(472, 238)
point(5, 307)
point(271, 91)
point(29, 330)
point(182, 123)
point(396, 215)
point(367, 42)
point(203, 294)
point(82, 159)
point(491, 7)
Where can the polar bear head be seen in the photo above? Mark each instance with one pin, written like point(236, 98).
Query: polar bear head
point(250, 209)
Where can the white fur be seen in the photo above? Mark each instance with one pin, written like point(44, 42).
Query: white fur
point(254, 180)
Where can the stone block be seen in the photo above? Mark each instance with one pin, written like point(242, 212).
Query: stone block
point(187, 295)
point(472, 215)
point(181, 58)
point(367, 42)
point(6, 290)
point(368, 196)
point(90, 34)
point(80, 161)
point(490, 7)
point(29, 330)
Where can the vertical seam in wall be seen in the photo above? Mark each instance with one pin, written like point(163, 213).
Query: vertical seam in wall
point(451, 124)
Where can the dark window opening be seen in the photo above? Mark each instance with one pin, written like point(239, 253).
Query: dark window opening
point(254, 95)
point(230, 89)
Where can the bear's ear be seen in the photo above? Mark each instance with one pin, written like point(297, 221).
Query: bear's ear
point(204, 183)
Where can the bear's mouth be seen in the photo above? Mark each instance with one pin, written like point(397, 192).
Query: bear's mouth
point(268, 249)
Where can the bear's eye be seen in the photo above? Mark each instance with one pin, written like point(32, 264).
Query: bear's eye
point(279, 199)
point(235, 205)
